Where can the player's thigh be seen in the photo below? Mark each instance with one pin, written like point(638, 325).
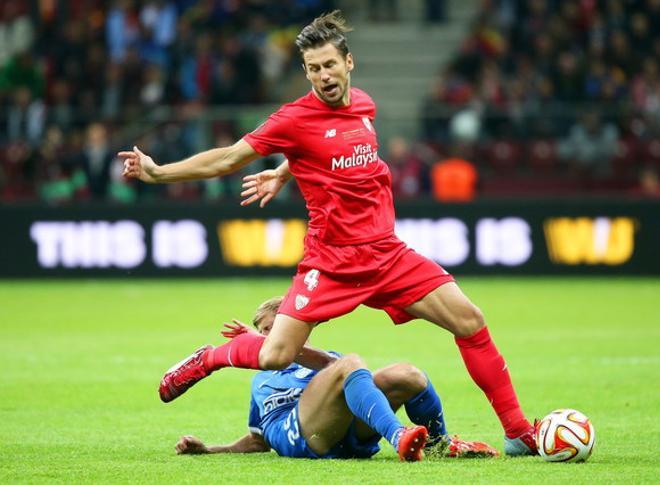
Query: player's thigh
point(323, 413)
point(448, 307)
point(284, 342)
point(405, 281)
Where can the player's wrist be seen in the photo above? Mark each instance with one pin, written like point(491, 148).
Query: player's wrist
point(156, 173)
point(282, 175)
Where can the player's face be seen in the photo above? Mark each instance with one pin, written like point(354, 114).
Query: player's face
point(329, 73)
point(266, 324)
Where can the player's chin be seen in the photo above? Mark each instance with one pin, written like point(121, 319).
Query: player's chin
point(333, 97)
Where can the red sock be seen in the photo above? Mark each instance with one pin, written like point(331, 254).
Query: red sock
point(241, 351)
point(488, 370)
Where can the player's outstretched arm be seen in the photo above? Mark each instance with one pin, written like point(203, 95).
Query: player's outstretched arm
point(314, 358)
point(211, 163)
point(265, 185)
point(250, 443)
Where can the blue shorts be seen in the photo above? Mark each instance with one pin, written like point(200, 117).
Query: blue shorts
point(284, 436)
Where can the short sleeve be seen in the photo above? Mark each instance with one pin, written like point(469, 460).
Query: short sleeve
point(275, 135)
point(254, 419)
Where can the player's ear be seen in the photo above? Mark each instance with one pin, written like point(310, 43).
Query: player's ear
point(350, 64)
point(304, 68)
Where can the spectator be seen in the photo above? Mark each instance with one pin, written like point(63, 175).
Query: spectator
point(16, 31)
point(649, 183)
point(159, 18)
point(153, 87)
point(197, 72)
point(61, 112)
point(121, 29)
point(23, 71)
point(568, 81)
point(57, 181)
point(465, 126)
point(590, 147)
point(95, 160)
point(409, 173)
point(454, 179)
point(19, 167)
point(112, 95)
point(645, 90)
point(26, 117)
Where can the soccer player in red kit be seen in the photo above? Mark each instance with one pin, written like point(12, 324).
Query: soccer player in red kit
point(351, 254)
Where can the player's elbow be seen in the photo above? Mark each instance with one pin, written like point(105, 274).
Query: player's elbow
point(226, 166)
point(230, 159)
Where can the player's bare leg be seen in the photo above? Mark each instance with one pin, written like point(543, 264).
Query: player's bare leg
point(323, 412)
point(325, 415)
point(284, 343)
point(448, 307)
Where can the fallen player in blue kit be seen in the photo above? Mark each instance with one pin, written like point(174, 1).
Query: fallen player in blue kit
point(340, 411)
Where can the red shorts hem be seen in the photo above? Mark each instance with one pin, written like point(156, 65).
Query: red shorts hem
point(298, 317)
point(334, 285)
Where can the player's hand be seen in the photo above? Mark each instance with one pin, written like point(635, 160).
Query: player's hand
point(189, 445)
point(137, 165)
point(237, 328)
point(263, 185)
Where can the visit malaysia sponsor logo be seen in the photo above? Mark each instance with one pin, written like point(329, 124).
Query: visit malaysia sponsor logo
point(363, 155)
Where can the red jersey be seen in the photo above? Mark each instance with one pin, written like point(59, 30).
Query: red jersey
point(333, 154)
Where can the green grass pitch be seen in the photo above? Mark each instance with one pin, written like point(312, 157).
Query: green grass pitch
point(80, 363)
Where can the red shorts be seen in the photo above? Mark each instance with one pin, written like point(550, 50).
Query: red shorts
point(333, 280)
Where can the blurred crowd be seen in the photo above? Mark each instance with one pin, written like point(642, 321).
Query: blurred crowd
point(556, 94)
point(74, 73)
point(545, 95)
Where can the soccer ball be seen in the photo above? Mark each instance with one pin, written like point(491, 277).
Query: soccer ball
point(565, 435)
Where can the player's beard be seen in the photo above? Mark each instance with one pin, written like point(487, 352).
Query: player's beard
point(335, 97)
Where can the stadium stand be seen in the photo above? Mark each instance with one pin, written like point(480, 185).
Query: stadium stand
point(543, 97)
point(567, 95)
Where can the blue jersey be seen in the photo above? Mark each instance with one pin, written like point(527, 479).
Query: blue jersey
point(274, 393)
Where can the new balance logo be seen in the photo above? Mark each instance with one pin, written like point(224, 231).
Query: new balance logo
point(330, 133)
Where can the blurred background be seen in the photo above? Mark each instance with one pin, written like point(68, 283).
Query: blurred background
point(522, 135)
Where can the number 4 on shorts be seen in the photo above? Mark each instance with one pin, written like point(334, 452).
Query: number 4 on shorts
point(312, 279)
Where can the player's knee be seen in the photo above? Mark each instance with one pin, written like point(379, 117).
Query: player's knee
point(347, 364)
point(275, 358)
point(469, 322)
point(416, 380)
point(402, 377)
